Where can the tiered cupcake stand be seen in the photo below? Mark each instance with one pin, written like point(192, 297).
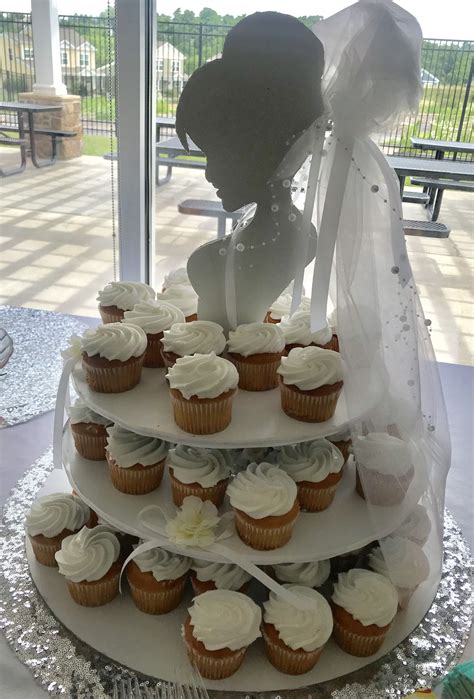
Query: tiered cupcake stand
point(152, 645)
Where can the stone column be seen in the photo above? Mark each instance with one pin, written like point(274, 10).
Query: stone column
point(68, 119)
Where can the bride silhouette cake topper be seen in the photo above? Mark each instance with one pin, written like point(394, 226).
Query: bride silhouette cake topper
point(253, 113)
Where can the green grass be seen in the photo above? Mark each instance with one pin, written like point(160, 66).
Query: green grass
point(97, 145)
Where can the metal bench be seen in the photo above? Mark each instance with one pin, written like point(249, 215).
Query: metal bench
point(22, 143)
point(211, 209)
point(25, 145)
point(437, 186)
point(427, 229)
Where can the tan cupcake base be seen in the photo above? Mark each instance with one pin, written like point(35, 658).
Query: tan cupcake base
point(202, 415)
point(316, 497)
point(383, 489)
point(114, 376)
point(153, 358)
point(213, 665)
point(136, 480)
point(200, 586)
point(98, 592)
point(90, 440)
point(257, 372)
point(283, 658)
point(111, 314)
point(344, 446)
point(179, 491)
point(269, 319)
point(152, 596)
point(267, 533)
point(317, 405)
point(353, 637)
point(45, 547)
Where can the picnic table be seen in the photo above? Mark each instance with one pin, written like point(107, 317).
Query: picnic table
point(166, 123)
point(28, 145)
point(442, 147)
point(170, 153)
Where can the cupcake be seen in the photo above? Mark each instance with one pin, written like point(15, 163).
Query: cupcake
point(311, 381)
point(136, 463)
point(357, 558)
point(206, 575)
point(220, 627)
point(127, 541)
point(316, 468)
point(89, 562)
point(342, 440)
point(416, 527)
point(294, 638)
point(153, 317)
point(202, 387)
point(250, 455)
point(384, 468)
point(312, 574)
point(89, 431)
point(264, 499)
point(255, 349)
point(117, 297)
point(332, 322)
point(176, 277)
point(297, 332)
point(182, 296)
point(196, 337)
point(364, 605)
point(200, 472)
point(157, 579)
point(403, 562)
point(112, 357)
point(52, 518)
point(282, 307)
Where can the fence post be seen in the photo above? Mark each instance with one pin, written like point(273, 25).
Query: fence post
point(465, 103)
point(200, 46)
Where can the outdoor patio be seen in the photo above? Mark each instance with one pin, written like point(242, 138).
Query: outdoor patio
point(57, 248)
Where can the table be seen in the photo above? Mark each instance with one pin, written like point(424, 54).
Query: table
point(442, 147)
point(165, 122)
point(168, 152)
point(29, 109)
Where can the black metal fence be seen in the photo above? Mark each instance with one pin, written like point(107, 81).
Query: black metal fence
point(87, 53)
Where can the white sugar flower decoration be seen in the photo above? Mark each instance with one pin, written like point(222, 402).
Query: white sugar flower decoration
point(74, 349)
point(195, 523)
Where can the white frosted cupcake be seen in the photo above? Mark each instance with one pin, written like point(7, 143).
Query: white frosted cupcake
point(343, 441)
point(417, 526)
point(364, 605)
point(154, 317)
point(250, 455)
point(332, 322)
point(88, 430)
point(202, 387)
point(384, 468)
point(297, 332)
point(264, 499)
point(157, 579)
point(51, 518)
point(311, 381)
point(112, 357)
point(220, 627)
point(176, 277)
point(89, 562)
point(256, 349)
point(403, 562)
point(117, 297)
point(200, 472)
point(196, 337)
point(316, 468)
point(182, 296)
point(294, 638)
point(136, 462)
point(282, 307)
point(206, 575)
point(312, 574)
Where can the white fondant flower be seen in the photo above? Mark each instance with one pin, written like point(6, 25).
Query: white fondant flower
point(195, 523)
point(74, 349)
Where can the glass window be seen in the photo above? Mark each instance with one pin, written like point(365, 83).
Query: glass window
point(28, 54)
point(175, 66)
point(64, 59)
point(84, 58)
point(160, 64)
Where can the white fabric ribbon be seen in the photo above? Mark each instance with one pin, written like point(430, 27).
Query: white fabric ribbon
point(62, 402)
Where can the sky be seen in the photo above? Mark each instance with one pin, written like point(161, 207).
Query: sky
point(443, 19)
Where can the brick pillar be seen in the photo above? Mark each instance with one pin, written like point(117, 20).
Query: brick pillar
point(68, 119)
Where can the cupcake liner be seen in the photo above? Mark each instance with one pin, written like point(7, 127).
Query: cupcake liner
point(260, 535)
point(158, 601)
point(114, 379)
point(308, 406)
point(284, 659)
point(202, 416)
point(90, 446)
point(314, 499)
point(383, 489)
point(356, 644)
point(214, 667)
point(153, 357)
point(136, 480)
point(215, 493)
point(44, 547)
point(256, 372)
point(97, 593)
point(111, 314)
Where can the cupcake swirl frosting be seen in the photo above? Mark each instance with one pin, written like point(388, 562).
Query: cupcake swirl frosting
point(282, 306)
point(382, 452)
point(125, 295)
point(256, 338)
point(153, 316)
point(312, 574)
point(417, 526)
point(197, 337)
point(162, 564)
point(182, 296)
point(196, 465)
point(310, 461)
point(176, 277)
point(262, 490)
point(369, 597)
point(89, 554)
point(52, 514)
point(225, 619)
point(400, 560)
point(308, 629)
point(297, 330)
point(311, 367)
point(203, 375)
point(128, 448)
point(80, 412)
point(114, 341)
point(225, 576)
